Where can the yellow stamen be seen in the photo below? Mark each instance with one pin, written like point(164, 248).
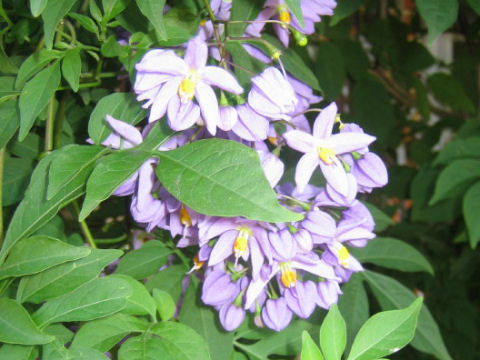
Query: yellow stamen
point(241, 242)
point(289, 276)
point(197, 263)
point(185, 217)
point(343, 254)
point(273, 140)
point(186, 90)
point(327, 155)
point(202, 22)
point(284, 16)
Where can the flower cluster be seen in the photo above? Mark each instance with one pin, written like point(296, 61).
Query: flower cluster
point(273, 271)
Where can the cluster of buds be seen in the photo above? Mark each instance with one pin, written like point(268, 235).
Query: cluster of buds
point(272, 271)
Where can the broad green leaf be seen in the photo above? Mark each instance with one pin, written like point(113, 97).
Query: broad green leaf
point(51, 15)
point(72, 67)
point(203, 320)
point(37, 6)
point(153, 11)
point(82, 353)
point(354, 57)
point(9, 121)
point(38, 253)
point(471, 209)
point(393, 254)
point(169, 280)
point(144, 348)
point(95, 10)
point(73, 161)
point(33, 64)
point(333, 334)
point(29, 148)
point(97, 298)
point(145, 261)
point(6, 63)
point(393, 295)
point(221, 178)
point(330, 69)
point(62, 333)
point(181, 24)
point(86, 22)
point(448, 90)
point(475, 5)
point(35, 96)
point(438, 14)
point(18, 352)
point(7, 88)
point(64, 278)
point(181, 341)
point(165, 304)
point(452, 179)
point(243, 11)
point(103, 334)
point(34, 211)
point(385, 333)
point(122, 106)
point(112, 8)
point(16, 326)
point(459, 149)
point(296, 9)
point(382, 220)
point(140, 302)
point(16, 173)
point(310, 350)
point(343, 10)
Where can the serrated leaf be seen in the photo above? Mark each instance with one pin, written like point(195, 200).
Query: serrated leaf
point(121, 106)
point(333, 334)
point(393, 295)
point(35, 96)
point(296, 9)
point(310, 350)
point(145, 261)
point(393, 254)
point(448, 90)
point(72, 67)
point(438, 14)
point(37, 6)
point(456, 175)
point(165, 304)
point(153, 11)
point(471, 209)
point(64, 278)
point(51, 15)
point(33, 64)
point(16, 326)
point(71, 162)
point(97, 298)
point(385, 333)
point(38, 253)
point(103, 334)
point(140, 302)
point(221, 178)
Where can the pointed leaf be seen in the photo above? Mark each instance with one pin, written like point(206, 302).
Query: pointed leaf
point(165, 304)
point(37, 6)
point(221, 178)
point(153, 11)
point(333, 334)
point(9, 121)
point(471, 209)
point(169, 280)
point(18, 352)
point(296, 9)
point(16, 326)
point(140, 302)
point(72, 67)
point(51, 15)
point(33, 64)
point(438, 14)
point(243, 11)
point(310, 350)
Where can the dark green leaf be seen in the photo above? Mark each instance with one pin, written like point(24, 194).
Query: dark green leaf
point(248, 64)
point(181, 24)
point(221, 178)
point(72, 67)
point(382, 220)
point(7, 88)
point(393, 254)
point(9, 121)
point(459, 149)
point(112, 8)
point(95, 10)
point(86, 22)
point(16, 326)
point(438, 14)
point(51, 15)
point(333, 334)
point(35, 96)
point(385, 333)
point(29, 148)
point(33, 64)
point(344, 9)
point(475, 5)
point(169, 280)
point(97, 298)
point(16, 173)
point(37, 6)
point(153, 11)
point(38, 253)
point(448, 90)
point(354, 57)
point(296, 9)
point(243, 11)
point(165, 304)
point(471, 209)
point(330, 69)
point(310, 350)
point(64, 278)
point(140, 302)
point(295, 65)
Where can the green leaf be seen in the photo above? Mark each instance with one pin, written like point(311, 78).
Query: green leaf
point(51, 15)
point(333, 334)
point(169, 280)
point(18, 352)
point(72, 67)
point(243, 11)
point(221, 178)
point(452, 179)
point(165, 304)
point(16, 173)
point(344, 9)
point(85, 353)
point(296, 9)
point(145, 261)
point(95, 10)
point(438, 14)
point(16, 326)
point(382, 220)
point(38, 253)
point(385, 333)
point(393, 254)
point(310, 350)
point(7, 88)
point(144, 348)
point(459, 149)
point(35, 96)
point(204, 321)
point(181, 25)
point(247, 64)
point(29, 148)
point(97, 298)
point(37, 7)
point(103, 334)
point(140, 302)
point(295, 65)
point(393, 295)
point(86, 22)
point(73, 161)
point(112, 8)
point(9, 121)
point(475, 5)
point(121, 106)
point(33, 64)
point(64, 278)
point(153, 11)
point(181, 341)
point(471, 209)
point(330, 69)
point(448, 90)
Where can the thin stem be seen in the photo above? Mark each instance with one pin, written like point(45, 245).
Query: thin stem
point(2, 161)
point(49, 128)
point(210, 12)
point(83, 225)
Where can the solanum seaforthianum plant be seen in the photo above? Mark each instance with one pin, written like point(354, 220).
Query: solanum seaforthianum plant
point(179, 182)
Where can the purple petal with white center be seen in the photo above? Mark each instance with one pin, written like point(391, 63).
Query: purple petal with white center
point(354, 234)
point(323, 125)
point(257, 26)
point(320, 268)
point(282, 244)
point(256, 286)
point(347, 142)
point(300, 141)
point(360, 211)
point(336, 176)
point(147, 81)
point(305, 168)
point(182, 116)
point(303, 240)
point(160, 103)
point(128, 187)
point(256, 53)
point(208, 105)
point(221, 78)
point(223, 247)
point(125, 130)
point(196, 53)
point(213, 226)
point(272, 167)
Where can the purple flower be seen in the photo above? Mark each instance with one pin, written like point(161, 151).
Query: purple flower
point(218, 289)
point(302, 298)
point(231, 316)
point(170, 83)
point(322, 149)
point(250, 126)
point(328, 292)
point(276, 314)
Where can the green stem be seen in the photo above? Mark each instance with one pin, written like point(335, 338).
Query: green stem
point(50, 124)
point(2, 161)
point(83, 225)
point(209, 9)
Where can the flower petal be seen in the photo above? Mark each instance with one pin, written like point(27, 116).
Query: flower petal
point(196, 53)
point(208, 105)
point(223, 248)
point(160, 103)
point(323, 126)
point(125, 130)
point(305, 168)
point(348, 141)
point(182, 116)
point(300, 141)
point(216, 76)
point(336, 176)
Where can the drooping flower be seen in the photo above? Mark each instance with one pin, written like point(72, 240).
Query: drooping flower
point(276, 314)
